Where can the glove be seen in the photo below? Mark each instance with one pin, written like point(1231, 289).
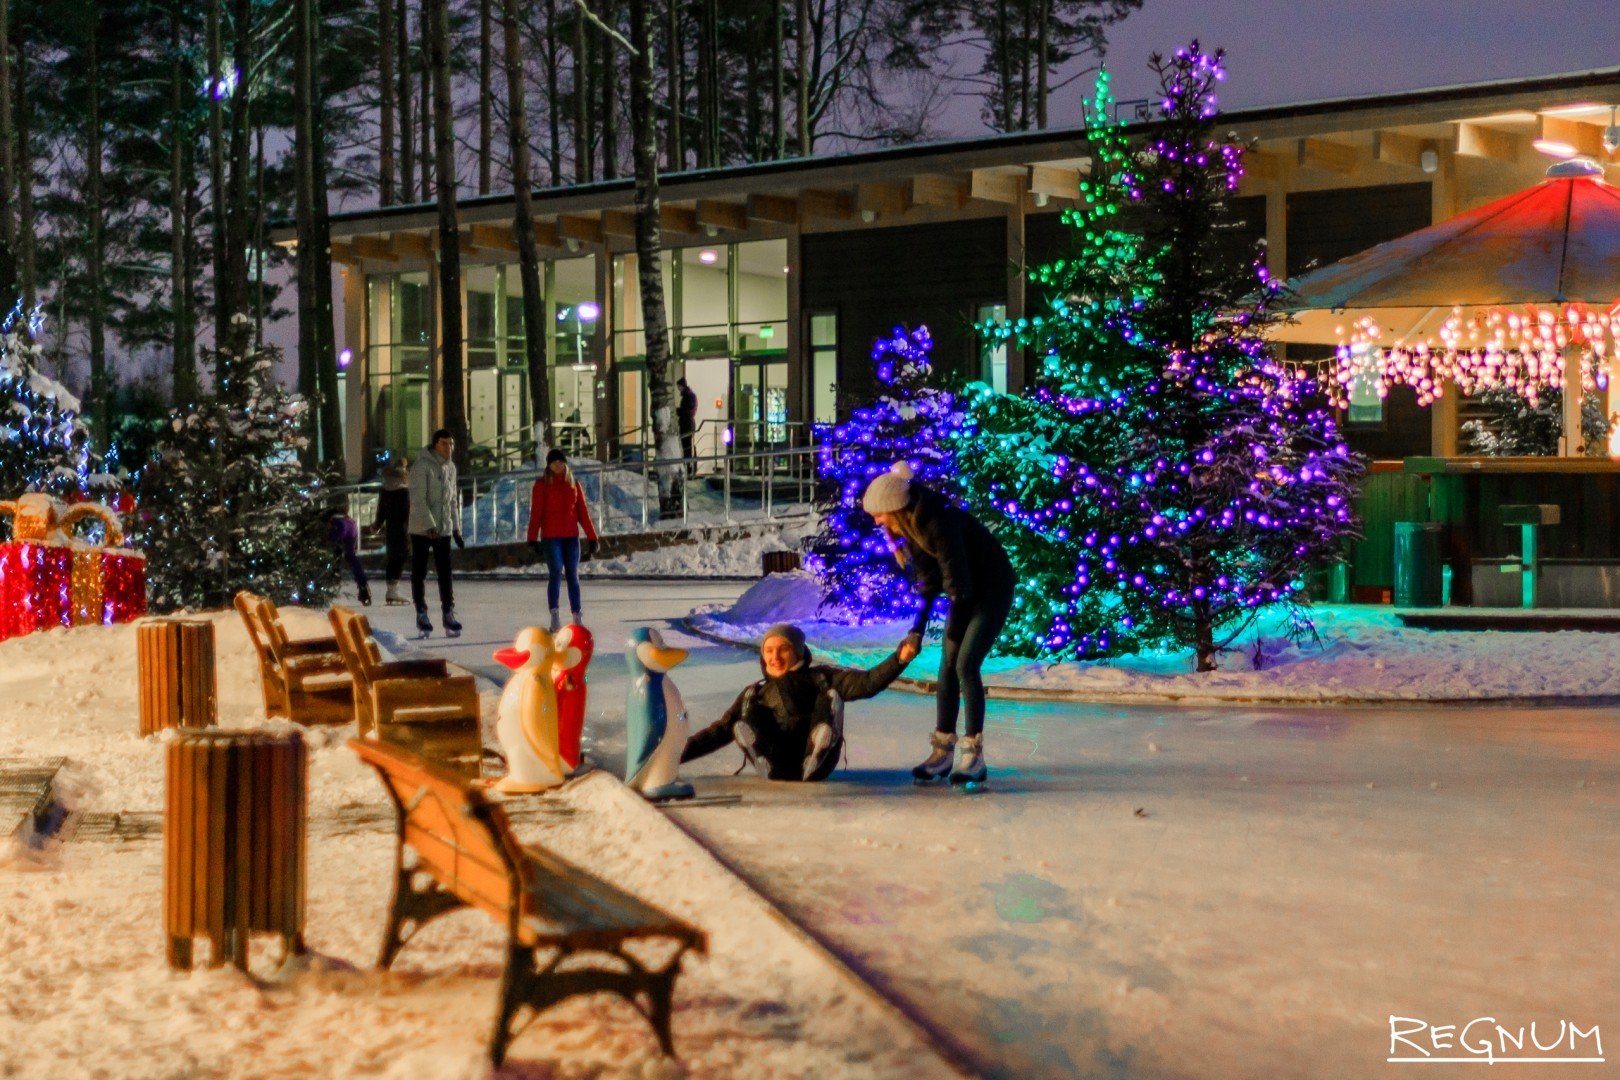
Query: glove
point(536, 547)
point(460, 543)
point(591, 547)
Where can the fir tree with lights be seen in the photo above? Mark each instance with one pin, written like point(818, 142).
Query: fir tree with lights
point(910, 421)
point(44, 446)
point(226, 502)
point(1164, 478)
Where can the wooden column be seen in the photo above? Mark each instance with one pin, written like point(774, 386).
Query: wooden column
point(1016, 290)
point(175, 664)
point(356, 338)
point(1443, 414)
point(801, 388)
point(606, 388)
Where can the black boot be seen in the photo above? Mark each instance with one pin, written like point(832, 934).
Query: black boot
point(424, 625)
point(451, 626)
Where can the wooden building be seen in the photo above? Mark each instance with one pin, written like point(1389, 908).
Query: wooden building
point(781, 274)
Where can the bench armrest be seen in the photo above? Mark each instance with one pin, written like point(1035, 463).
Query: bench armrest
point(412, 669)
point(310, 647)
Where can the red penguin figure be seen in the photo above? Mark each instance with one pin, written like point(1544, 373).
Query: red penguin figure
point(574, 645)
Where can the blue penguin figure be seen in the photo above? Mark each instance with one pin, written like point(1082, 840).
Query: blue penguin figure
point(654, 719)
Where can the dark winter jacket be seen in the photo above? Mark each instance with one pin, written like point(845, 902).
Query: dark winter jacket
point(393, 515)
point(784, 709)
point(343, 533)
point(957, 556)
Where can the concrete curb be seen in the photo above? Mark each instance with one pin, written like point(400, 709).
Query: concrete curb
point(1027, 693)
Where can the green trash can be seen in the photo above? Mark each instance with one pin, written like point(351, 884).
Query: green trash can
point(1419, 563)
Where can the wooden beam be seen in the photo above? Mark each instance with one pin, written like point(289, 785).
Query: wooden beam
point(1585, 138)
point(839, 205)
point(873, 200)
point(620, 223)
point(1259, 165)
point(545, 234)
point(722, 215)
point(1474, 140)
point(1395, 148)
point(1328, 156)
point(1053, 181)
point(578, 227)
point(373, 247)
point(993, 185)
point(773, 208)
point(494, 237)
point(679, 219)
point(343, 252)
point(948, 192)
point(411, 246)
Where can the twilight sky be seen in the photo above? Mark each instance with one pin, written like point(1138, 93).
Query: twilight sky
point(1280, 51)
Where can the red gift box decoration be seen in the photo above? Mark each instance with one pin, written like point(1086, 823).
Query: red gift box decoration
point(49, 579)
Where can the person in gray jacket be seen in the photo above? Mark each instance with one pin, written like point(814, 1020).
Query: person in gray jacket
point(435, 519)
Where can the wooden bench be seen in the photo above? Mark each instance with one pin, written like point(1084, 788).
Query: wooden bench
point(566, 929)
point(415, 703)
point(304, 680)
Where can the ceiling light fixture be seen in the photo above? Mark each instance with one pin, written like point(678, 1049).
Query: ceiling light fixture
point(1554, 148)
point(1611, 134)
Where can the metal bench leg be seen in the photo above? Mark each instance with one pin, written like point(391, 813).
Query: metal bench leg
point(180, 952)
point(1527, 555)
point(660, 996)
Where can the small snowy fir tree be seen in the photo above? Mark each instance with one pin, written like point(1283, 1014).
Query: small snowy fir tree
point(226, 503)
point(44, 446)
point(910, 422)
point(1516, 426)
point(1165, 478)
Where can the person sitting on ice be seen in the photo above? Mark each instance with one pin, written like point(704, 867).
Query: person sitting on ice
point(790, 724)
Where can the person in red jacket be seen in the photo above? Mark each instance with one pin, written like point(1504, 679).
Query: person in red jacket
point(557, 512)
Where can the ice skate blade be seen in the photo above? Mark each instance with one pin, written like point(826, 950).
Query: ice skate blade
point(926, 781)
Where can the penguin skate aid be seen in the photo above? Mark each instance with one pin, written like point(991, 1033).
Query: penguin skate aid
point(790, 724)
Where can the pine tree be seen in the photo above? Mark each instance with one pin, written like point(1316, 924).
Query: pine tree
point(226, 503)
point(910, 421)
point(1517, 425)
point(44, 446)
point(1166, 478)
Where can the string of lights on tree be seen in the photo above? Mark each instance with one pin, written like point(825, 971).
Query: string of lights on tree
point(911, 420)
point(1163, 478)
point(44, 446)
point(227, 503)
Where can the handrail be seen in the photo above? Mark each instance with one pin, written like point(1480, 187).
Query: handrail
point(755, 484)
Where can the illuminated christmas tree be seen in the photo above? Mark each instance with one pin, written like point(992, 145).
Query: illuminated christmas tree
point(910, 421)
point(43, 444)
point(226, 503)
point(1164, 478)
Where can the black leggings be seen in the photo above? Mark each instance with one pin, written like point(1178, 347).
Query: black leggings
point(438, 548)
point(970, 630)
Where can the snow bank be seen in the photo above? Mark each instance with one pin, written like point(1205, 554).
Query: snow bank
point(1364, 655)
point(702, 558)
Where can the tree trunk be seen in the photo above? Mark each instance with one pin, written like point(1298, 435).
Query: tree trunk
point(553, 111)
point(185, 356)
point(8, 162)
point(486, 94)
point(235, 334)
point(660, 370)
point(100, 398)
point(216, 170)
point(304, 152)
point(608, 122)
point(25, 186)
point(256, 259)
point(802, 58)
point(385, 98)
point(407, 123)
point(436, 15)
point(677, 89)
point(1203, 638)
point(582, 96)
point(705, 61)
point(535, 325)
point(1042, 51)
point(779, 80)
point(426, 153)
point(325, 338)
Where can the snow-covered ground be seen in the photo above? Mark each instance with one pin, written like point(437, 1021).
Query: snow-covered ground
point(1143, 891)
point(735, 558)
point(1363, 655)
point(87, 992)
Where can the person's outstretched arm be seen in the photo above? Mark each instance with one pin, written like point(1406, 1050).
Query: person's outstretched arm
point(716, 735)
point(854, 684)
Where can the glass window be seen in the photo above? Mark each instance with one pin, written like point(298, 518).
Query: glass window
point(705, 289)
point(1366, 406)
point(992, 353)
point(483, 311)
point(761, 281)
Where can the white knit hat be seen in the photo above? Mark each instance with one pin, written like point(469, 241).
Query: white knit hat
point(889, 491)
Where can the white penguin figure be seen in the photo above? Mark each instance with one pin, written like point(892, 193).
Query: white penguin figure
point(654, 719)
point(527, 723)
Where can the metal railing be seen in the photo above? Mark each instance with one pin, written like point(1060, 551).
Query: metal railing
point(756, 484)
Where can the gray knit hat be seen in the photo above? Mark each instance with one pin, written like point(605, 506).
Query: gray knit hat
point(889, 491)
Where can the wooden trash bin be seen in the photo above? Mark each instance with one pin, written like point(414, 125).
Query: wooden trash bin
point(234, 828)
point(176, 671)
point(780, 562)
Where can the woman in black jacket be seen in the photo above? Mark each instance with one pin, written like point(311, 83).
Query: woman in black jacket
point(948, 550)
point(790, 724)
point(393, 513)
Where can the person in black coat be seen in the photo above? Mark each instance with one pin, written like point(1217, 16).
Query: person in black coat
point(790, 724)
point(947, 550)
point(393, 516)
point(686, 420)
